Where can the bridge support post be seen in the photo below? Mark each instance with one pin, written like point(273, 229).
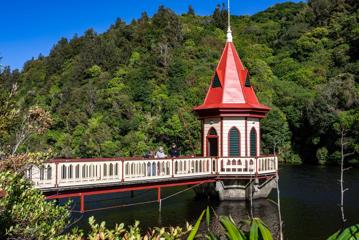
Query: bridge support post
point(82, 203)
point(159, 199)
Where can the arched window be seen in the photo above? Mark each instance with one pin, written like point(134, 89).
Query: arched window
point(63, 172)
point(49, 172)
point(116, 169)
point(132, 168)
point(153, 169)
point(234, 142)
point(77, 171)
point(105, 169)
point(83, 171)
point(253, 142)
point(111, 169)
point(91, 171)
point(70, 171)
point(144, 169)
point(127, 168)
point(42, 173)
point(149, 169)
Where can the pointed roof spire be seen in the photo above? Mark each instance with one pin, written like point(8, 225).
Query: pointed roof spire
point(230, 92)
point(229, 31)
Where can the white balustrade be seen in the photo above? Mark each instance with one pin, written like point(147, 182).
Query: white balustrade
point(237, 165)
point(67, 173)
point(147, 169)
point(192, 166)
point(267, 164)
point(42, 176)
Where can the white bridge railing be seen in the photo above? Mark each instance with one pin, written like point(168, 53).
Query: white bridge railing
point(76, 172)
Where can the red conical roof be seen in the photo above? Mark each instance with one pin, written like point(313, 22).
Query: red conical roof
point(229, 94)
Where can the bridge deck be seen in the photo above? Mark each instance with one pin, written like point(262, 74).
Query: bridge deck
point(75, 174)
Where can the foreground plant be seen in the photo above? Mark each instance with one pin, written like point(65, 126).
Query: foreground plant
point(24, 213)
point(257, 229)
point(133, 232)
point(350, 233)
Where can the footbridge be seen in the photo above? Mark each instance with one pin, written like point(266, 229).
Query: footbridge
point(66, 178)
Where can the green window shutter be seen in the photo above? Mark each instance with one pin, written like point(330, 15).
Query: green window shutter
point(216, 83)
point(253, 142)
point(247, 82)
point(234, 142)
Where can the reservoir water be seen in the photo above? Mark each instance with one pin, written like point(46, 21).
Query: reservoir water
point(309, 198)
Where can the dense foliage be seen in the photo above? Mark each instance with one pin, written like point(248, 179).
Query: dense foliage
point(24, 213)
point(132, 88)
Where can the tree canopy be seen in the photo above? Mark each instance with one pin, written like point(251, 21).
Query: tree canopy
point(132, 88)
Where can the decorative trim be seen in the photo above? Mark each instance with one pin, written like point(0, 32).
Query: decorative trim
point(202, 138)
point(221, 136)
point(246, 136)
point(259, 139)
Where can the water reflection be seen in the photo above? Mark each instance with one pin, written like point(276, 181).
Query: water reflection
point(240, 211)
point(175, 211)
point(309, 197)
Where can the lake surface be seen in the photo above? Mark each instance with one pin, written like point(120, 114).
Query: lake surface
point(309, 199)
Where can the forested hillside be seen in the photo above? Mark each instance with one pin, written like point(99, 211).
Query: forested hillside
point(132, 88)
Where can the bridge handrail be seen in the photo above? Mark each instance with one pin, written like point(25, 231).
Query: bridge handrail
point(60, 160)
point(83, 171)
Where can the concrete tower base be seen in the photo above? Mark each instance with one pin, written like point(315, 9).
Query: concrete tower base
point(238, 190)
point(241, 190)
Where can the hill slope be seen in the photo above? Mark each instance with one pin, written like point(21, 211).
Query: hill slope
point(132, 88)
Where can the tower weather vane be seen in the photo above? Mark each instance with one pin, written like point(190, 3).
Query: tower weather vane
point(229, 31)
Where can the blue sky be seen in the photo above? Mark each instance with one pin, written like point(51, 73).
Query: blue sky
point(28, 28)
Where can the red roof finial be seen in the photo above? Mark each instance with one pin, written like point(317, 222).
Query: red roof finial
point(229, 31)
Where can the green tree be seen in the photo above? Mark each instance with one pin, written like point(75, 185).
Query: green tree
point(24, 213)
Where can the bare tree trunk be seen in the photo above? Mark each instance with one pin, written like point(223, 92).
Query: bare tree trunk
point(20, 139)
point(278, 200)
point(279, 209)
point(341, 181)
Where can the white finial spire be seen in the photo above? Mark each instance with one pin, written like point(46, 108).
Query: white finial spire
point(229, 31)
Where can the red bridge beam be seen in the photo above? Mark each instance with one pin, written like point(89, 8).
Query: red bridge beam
point(82, 195)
